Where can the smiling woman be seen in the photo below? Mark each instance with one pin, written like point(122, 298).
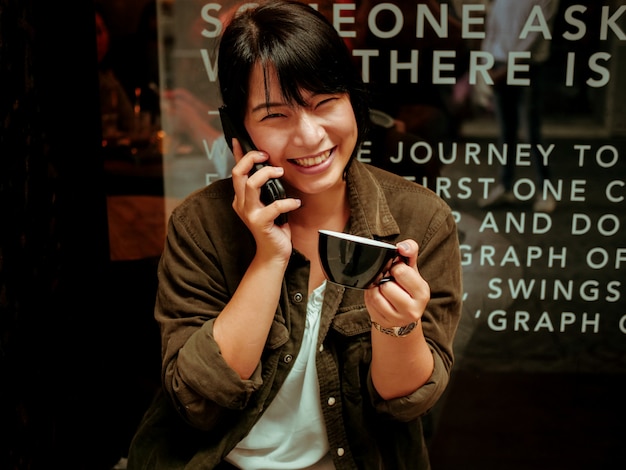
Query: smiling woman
point(318, 137)
point(262, 358)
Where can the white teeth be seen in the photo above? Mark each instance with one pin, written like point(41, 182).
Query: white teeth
point(312, 161)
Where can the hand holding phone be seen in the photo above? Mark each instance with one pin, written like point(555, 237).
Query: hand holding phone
point(273, 189)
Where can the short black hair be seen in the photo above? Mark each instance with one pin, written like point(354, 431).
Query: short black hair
point(301, 45)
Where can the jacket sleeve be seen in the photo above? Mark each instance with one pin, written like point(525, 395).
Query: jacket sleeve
point(193, 289)
point(439, 262)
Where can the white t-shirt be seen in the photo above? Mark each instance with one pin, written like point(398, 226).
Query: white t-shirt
point(291, 434)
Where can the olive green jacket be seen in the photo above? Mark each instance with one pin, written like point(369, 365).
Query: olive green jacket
point(205, 408)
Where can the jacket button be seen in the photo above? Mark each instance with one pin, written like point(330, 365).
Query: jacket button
point(340, 452)
point(297, 297)
point(288, 358)
point(331, 401)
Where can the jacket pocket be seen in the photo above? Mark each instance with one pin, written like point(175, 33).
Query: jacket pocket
point(352, 321)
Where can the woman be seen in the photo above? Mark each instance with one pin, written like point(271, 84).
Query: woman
point(265, 365)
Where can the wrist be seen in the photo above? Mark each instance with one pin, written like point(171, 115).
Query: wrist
point(395, 331)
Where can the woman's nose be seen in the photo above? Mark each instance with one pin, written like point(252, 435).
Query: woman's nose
point(309, 131)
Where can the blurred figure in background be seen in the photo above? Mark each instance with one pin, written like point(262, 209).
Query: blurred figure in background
point(189, 99)
point(115, 106)
point(138, 63)
point(519, 106)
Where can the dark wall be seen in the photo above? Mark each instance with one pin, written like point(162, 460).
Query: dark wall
point(54, 394)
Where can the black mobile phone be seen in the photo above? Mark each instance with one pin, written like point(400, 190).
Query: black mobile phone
point(273, 189)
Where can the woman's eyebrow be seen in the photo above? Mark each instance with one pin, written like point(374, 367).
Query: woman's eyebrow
point(266, 106)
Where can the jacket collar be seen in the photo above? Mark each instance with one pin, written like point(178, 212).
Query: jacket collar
point(370, 214)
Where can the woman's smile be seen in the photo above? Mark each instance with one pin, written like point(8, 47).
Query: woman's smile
point(311, 161)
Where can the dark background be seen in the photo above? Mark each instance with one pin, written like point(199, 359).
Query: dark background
point(75, 329)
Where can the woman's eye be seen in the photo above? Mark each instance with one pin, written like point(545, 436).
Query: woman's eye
point(272, 115)
point(325, 101)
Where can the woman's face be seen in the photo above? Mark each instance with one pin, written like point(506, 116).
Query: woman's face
point(313, 143)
